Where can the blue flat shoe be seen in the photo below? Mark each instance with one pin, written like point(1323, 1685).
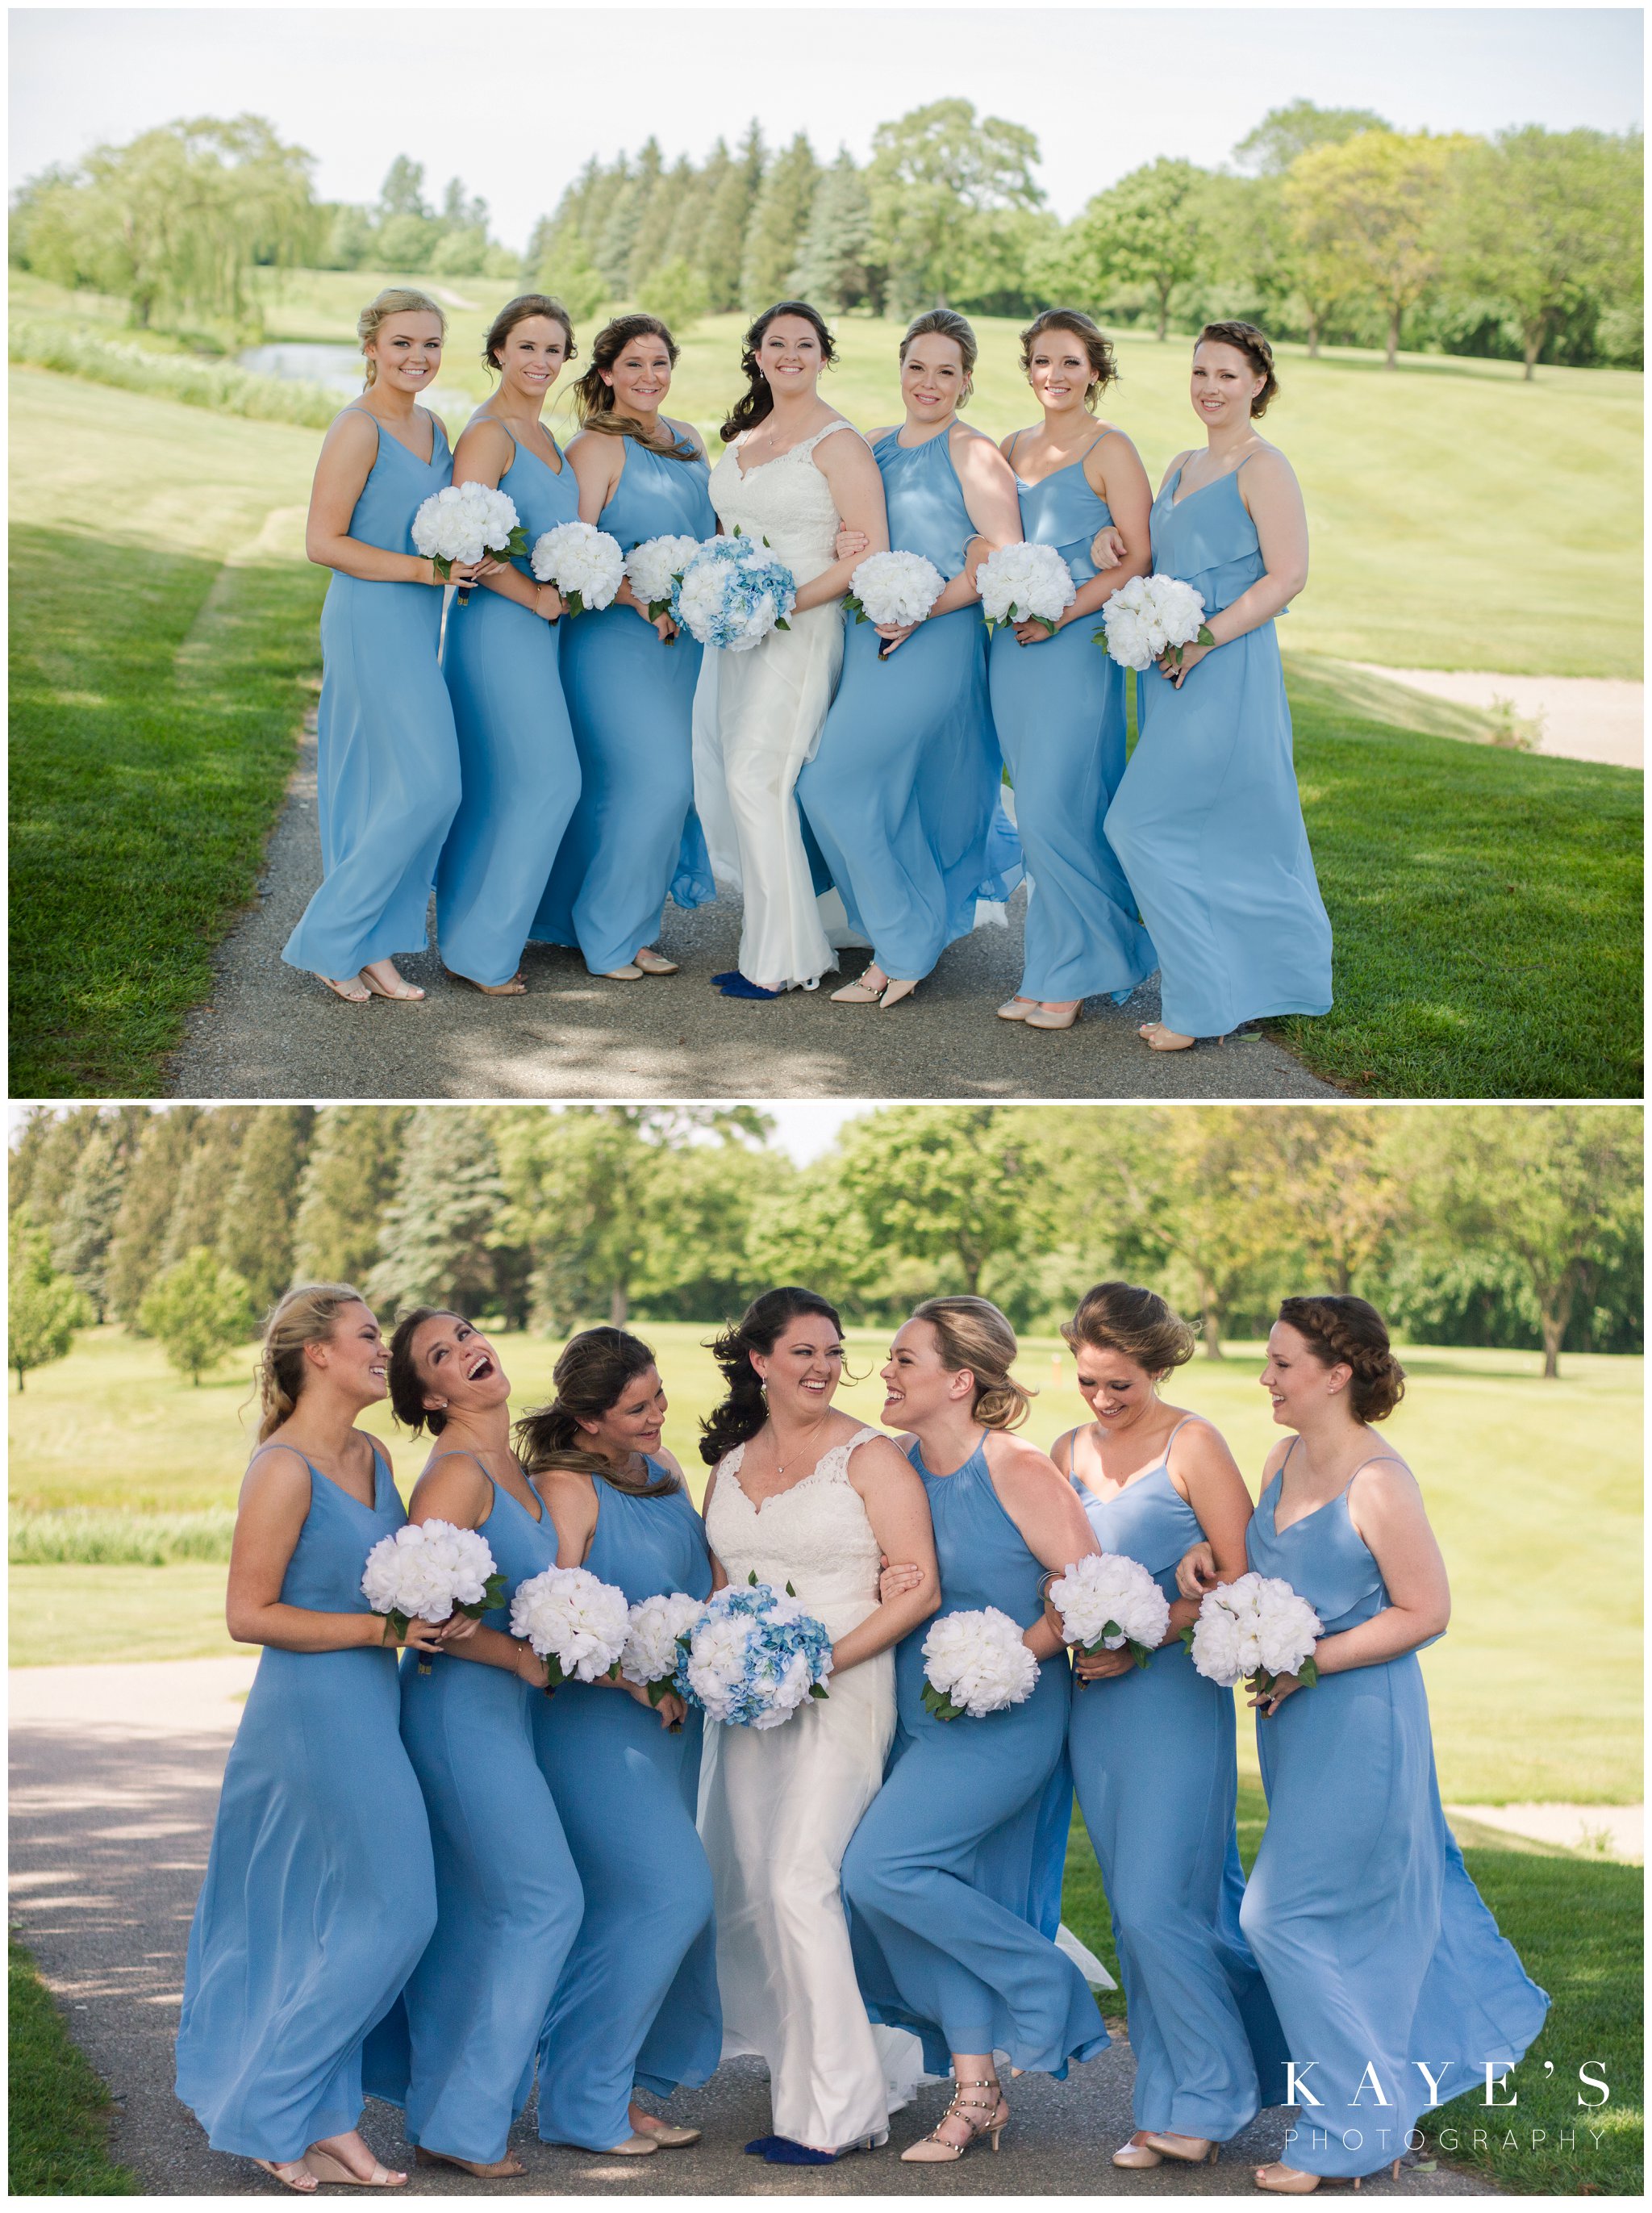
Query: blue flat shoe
point(737, 986)
point(781, 2151)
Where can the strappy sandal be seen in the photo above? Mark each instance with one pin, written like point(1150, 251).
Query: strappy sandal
point(305, 2189)
point(383, 991)
point(326, 2169)
point(350, 999)
point(491, 2170)
point(932, 2150)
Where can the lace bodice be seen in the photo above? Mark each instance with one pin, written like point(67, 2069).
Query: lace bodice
point(815, 1536)
point(786, 501)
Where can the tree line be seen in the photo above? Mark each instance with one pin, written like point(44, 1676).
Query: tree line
point(1325, 224)
point(1512, 1226)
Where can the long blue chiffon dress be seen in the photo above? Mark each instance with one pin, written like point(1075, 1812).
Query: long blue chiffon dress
point(458, 2052)
point(516, 751)
point(638, 2001)
point(1058, 706)
point(631, 699)
point(1154, 1759)
point(947, 1881)
point(1208, 822)
point(388, 779)
point(902, 795)
point(1378, 1950)
point(320, 1893)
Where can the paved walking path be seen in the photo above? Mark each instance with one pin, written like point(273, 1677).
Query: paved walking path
point(114, 1784)
point(271, 1033)
point(1591, 718)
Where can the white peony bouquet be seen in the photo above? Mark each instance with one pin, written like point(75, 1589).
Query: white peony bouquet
point(1149, 616)
point(1107, 1601)
point(752, 1658)
point(1025, 582)
point(576, 1623)
point(893, 588)
point(427, 1571)
point(584, 563)
point(652, 1650)
point(655, 567)
point(1256, 1627)
point(976, 1663)
point(733, 592)
point(464, 523)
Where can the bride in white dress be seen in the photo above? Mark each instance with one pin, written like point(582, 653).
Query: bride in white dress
point(806, 1497)
point(789, 475)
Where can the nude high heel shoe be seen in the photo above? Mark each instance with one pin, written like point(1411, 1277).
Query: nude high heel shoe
point(932, 2150)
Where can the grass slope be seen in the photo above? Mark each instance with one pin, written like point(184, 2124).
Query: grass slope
point(58, 2111)
point(111, 1435)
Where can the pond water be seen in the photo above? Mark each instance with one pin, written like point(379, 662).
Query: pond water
point(339, 367)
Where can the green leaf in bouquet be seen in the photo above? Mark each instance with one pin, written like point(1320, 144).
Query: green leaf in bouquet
point(790, 1592)
point(573, 603)
point(1205, 636)
point(660, 1690)
point(442, 566)
point(1140, 1652)
point(554, 1677)
point(1050, 628)
point(1187, 1638)
point(992, 624)
point(852, 606)
point(1309, 1673)
point(1100, 638)
point(751, 1575)
point(781, 624)
point(818, 1690)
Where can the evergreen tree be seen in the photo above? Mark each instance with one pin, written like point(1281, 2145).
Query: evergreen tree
point(62, 1143)
point(655, 207)
point(728, 212)
point(834, 270)
point(402, 192)
point(621, 219)
point(777, 226)
point(690, 200)
point(256, 1236)
point(349, 1180)
point(25, 1151)
point(198, 1211)
point(163, 1151)
point(43, 1309)
point(441, 1230)
point(85, 1219)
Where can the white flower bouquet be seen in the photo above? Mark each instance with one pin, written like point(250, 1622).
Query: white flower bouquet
point(584, 563)
point(1107, 1601)
point(1256, 1626)
point(733, 592)
point(655, 567)
point(1149, 616)
point(893, 588)
point(427, 1571)
point(576, 1623)
point(1025, 582)
point(464, 523)
point(976, 1663)
point(750, 1660)
point(652, 1650)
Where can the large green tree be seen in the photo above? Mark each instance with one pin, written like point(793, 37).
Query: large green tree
point(255, 1235)
point(961, 1188)
point(1153, 229)
point(441, 1235)
point(196, 1310)
point(835, 270)
point(777, 226)
point(1377, 206)
point(350, 1178)
point(43, 1308)
point(84, 1227)
point(737, 180)
point(203, 1193)
point(164, 1147)
point(1284, 132)
point(940, 182)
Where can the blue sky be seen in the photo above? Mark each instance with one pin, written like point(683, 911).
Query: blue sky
point(513, 100)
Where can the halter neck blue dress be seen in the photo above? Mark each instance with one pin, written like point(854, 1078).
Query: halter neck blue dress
point(631, 699)
point(1154, 1759)
point(516, 745)
point(388, 779)
point(638, 2001)
point(1208, 822)
point(902, 795)
point(1059, 709)
point(953, 1879)
point(1378, 1950)
point(458, 2052)
point(320, 1893)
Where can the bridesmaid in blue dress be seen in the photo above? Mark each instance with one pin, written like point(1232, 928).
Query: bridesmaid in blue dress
point(1059, 702)
point(637, 2003)
point(388, 758)
point(1378, 1952)
point(458, 2052)
point(631, 681)
point(902, 795)
point(1153, 1749)
point(1208, 822)
point(319, 1894)
point(515, 744)
point(945, 1880)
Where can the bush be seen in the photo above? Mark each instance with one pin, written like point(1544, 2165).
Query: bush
point(196, 1310)
point(78, 350)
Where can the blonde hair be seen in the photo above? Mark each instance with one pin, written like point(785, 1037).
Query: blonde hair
point(307, 1315)
point(394, 299)
point(973, 1333)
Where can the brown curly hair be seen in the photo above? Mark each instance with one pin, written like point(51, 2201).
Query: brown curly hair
point(1342, 1331)
point(1129, 1320)
point(1104, 363)
point(1246, 338)
point(522, 309)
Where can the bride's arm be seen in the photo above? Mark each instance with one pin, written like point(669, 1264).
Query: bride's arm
point(856, 485)
point(892, 1493)
point(719, 1573)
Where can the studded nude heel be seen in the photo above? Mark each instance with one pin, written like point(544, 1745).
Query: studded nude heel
point(932, 2149)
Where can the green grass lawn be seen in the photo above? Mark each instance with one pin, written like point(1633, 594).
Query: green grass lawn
point(58, 2111)
point(1530, 1484)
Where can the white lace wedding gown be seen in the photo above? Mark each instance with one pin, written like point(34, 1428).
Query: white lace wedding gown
point(758, 718)
point(778, 1808)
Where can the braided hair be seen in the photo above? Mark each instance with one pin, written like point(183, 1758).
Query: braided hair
point(744, 1410)
point(1341, 1330)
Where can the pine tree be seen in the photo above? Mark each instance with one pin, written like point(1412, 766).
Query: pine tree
point(690, 199)
point(198, 1211)
point(728, 213)
point(27, 1147)
point(834, 269)
point(349, 1180)
point(620, 219)
point(62, 1143)
point(85, 1219)
point(655, 203)
point(778, 224)
point(441, 1229)
point(255, 1237)
point(164, 1148)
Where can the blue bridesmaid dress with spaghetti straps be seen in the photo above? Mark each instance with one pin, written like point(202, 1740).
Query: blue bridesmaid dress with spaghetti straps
point(902, 795)
point(320, 1893)
point(388, 777)
point(631, 698)
point(1058, 706)
point(1154, 1762)
point(516, 749)
point(1378, 1952)
point(638, 2001)
point(1208, 822)
point(952, 1911)
point(458, 2052)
